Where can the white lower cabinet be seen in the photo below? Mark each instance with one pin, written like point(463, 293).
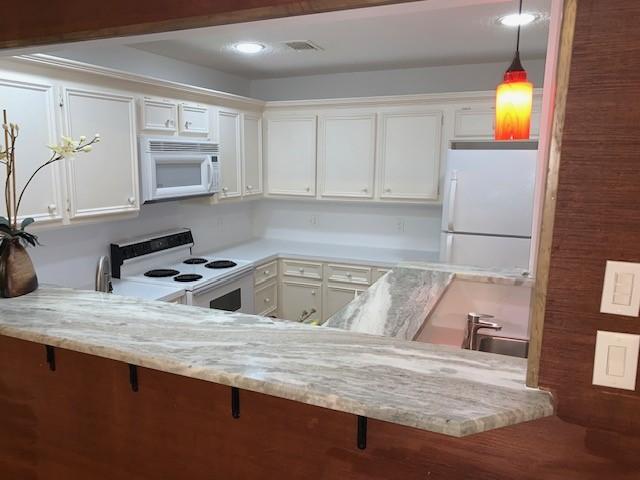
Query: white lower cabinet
point(301, 299)
point(338, 296)
point(266, 299)
point(30, 103)
point(410, 155)
point(104, 181)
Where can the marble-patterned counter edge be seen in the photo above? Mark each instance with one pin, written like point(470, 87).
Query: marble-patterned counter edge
point(430, 387)
point(499, 276)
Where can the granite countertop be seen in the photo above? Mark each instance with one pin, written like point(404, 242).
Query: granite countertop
point(400, 302)
point(436, 388)
point(262, 250)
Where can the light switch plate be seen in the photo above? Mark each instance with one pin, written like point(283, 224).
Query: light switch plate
point(616, 360)
point(621, 290)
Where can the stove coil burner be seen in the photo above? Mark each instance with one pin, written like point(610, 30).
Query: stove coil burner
point(161, 272)
point(221, 264)
point(195, 261)
point(187, 277)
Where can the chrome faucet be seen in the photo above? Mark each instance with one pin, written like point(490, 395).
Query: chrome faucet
point(476, 321)
point(103, 275)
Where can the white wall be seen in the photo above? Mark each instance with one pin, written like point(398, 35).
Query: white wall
point(69, 255)
point(412, 227)
point(454, 78)
point(129, 59)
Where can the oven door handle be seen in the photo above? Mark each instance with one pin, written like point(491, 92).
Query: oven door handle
point(210, 172)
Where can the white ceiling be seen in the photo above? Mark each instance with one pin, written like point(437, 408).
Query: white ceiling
point(417, 34)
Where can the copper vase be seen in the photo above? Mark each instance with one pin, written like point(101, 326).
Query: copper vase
point(17, 275)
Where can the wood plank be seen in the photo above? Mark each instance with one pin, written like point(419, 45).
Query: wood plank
point(597, 212)
point(42, 22)
point(84, 421)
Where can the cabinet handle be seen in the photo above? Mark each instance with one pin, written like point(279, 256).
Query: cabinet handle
point(52, 208)
point(131, 200)
point(187, 125)
point(167, 123)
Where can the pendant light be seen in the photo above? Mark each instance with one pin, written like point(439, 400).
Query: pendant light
point(514, 99)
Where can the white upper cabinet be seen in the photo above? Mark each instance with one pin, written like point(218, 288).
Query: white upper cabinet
point(480, 122)
point(193, 119)
point(230, 153)
point(252, 154)
point(410, 150)
point(158, 115)
point(346, 154)
point(104, 181)
point(30, 103)
point(291, 155)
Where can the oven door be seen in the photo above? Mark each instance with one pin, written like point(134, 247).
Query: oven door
point(235, 295)
point(180, 175)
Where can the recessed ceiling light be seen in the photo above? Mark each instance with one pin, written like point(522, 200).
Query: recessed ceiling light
point(249, 47)
point(516, 19)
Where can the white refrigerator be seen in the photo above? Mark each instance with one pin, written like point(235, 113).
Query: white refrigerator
point(488, 205)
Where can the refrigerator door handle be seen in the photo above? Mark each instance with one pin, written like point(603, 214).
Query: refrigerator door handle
point(449, 248)
point(453, 186)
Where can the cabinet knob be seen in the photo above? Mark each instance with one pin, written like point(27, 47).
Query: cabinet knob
point(167, 123)
point(249, 187)
point(365, 190)
point(301, 270)
point(187, 125)
point(349, 275)
point(52, 208)
point(313, 292)
point(387, 190)
point(266, 272)
point(131, 200)
point(308, 189)
point(225, 189)
point(267, 300)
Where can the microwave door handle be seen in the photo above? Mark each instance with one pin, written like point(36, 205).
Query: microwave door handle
point(453, 186)
point(210, 172)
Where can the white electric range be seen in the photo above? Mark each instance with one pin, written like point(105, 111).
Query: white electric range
point(165, 260)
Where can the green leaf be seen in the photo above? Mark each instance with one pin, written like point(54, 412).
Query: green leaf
point(26, 222)
point(6, 230)
point(3, 221)
point(28, 238)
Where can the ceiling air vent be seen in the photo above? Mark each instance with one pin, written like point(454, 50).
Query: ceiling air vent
point(302, 45)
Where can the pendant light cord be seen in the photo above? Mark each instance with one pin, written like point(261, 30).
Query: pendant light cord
point(519, 23)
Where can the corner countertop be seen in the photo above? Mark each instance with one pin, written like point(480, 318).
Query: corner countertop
point(400, 302)
point(262, 250)
point(431, 387)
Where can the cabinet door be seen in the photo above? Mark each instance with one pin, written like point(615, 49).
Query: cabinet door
point(480, 122)
point(346, 150)
point(410, 155)
point(229, 126)
point(291, 156)
point(158, 115)
point(31, 106)
point(298, 297)
point(337, 297)
point(252, 154)
point(104, 181)
point(194, 119)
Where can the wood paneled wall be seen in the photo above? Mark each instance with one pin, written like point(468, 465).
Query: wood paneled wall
point(597, 214)
point(40, 22)
point(83, 421)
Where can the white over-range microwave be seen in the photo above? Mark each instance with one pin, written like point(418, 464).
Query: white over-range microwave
point(175, 167)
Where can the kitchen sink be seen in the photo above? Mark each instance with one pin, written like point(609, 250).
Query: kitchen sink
point(515, 347)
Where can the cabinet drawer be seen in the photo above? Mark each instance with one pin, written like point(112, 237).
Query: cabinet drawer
point(295, 268)
point(266, 272)
point(348, 274)
point(266, 298)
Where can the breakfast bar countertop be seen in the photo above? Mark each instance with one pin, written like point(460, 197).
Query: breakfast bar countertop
point(431, 387)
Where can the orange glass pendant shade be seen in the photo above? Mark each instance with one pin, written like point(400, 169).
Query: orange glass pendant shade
point(514, 101)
